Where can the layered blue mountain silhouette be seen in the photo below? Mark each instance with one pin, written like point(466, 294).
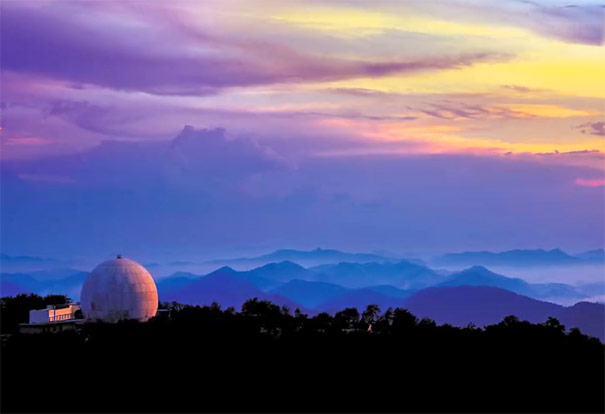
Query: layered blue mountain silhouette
point(403, 274)
point(481, 276)
point(64, 281)
point(225, 287)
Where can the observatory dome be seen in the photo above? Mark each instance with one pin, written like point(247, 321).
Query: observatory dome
point(119, 289)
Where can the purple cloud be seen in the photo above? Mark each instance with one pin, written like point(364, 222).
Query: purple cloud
point(194, 157)
point(578, 23)
point(48, 43)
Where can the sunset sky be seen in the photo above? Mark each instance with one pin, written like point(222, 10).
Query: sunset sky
point(411, 125)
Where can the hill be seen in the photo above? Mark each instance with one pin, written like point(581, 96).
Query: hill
point(310, 294)
point(481, 276)
point(482, 305)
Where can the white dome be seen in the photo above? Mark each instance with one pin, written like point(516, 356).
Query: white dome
point(119, 289)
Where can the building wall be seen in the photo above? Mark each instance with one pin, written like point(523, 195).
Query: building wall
point(53, 315)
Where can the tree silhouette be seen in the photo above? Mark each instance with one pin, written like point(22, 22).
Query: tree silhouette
point(347, 318)
point(303, 362)
point(510, 320)
point(553, 323)
point(370, 315)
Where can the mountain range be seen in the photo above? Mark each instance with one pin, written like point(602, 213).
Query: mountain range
point(457, 305)
point(305, 258)
point(475, 294)
point(307, 285)
point(538, 257)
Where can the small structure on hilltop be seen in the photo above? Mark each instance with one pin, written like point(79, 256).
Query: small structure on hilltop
point(119, 289)
point(55, 318)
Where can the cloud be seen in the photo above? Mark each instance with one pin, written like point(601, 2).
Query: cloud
point(521, 89)
point(582, 24)
point(594, 182)
point(595, 128)
point(103, 119)
point(207, 154)
point(454, 110)
point(169, 60)
point(195, 157)
point(205, 192)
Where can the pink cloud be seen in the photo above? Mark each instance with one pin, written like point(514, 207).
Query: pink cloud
point(595, 182)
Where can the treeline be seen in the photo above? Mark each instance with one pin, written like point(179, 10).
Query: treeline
point(267, 358)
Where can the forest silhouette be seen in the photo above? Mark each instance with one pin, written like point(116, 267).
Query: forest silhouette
point(267, 358)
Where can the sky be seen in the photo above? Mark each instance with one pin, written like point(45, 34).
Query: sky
point(208, 128)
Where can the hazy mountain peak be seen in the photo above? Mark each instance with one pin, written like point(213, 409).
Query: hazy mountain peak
point(477, 269)
point(284, 264)
point(224, 270)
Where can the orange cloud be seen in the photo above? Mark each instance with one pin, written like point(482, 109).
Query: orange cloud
point(29, 141)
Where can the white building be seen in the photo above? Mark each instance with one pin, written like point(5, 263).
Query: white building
point(55, 318)
point(53, 313)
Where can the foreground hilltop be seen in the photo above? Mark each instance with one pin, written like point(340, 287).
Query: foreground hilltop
point(264, 358)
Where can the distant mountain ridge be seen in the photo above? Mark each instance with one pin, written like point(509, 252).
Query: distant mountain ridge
point(538, 257)
point(42, 283)
point(309, 258)
point(596, 255)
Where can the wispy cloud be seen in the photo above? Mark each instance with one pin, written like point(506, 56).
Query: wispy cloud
point(180, 63)
point(594, 128)
point(594, 182)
